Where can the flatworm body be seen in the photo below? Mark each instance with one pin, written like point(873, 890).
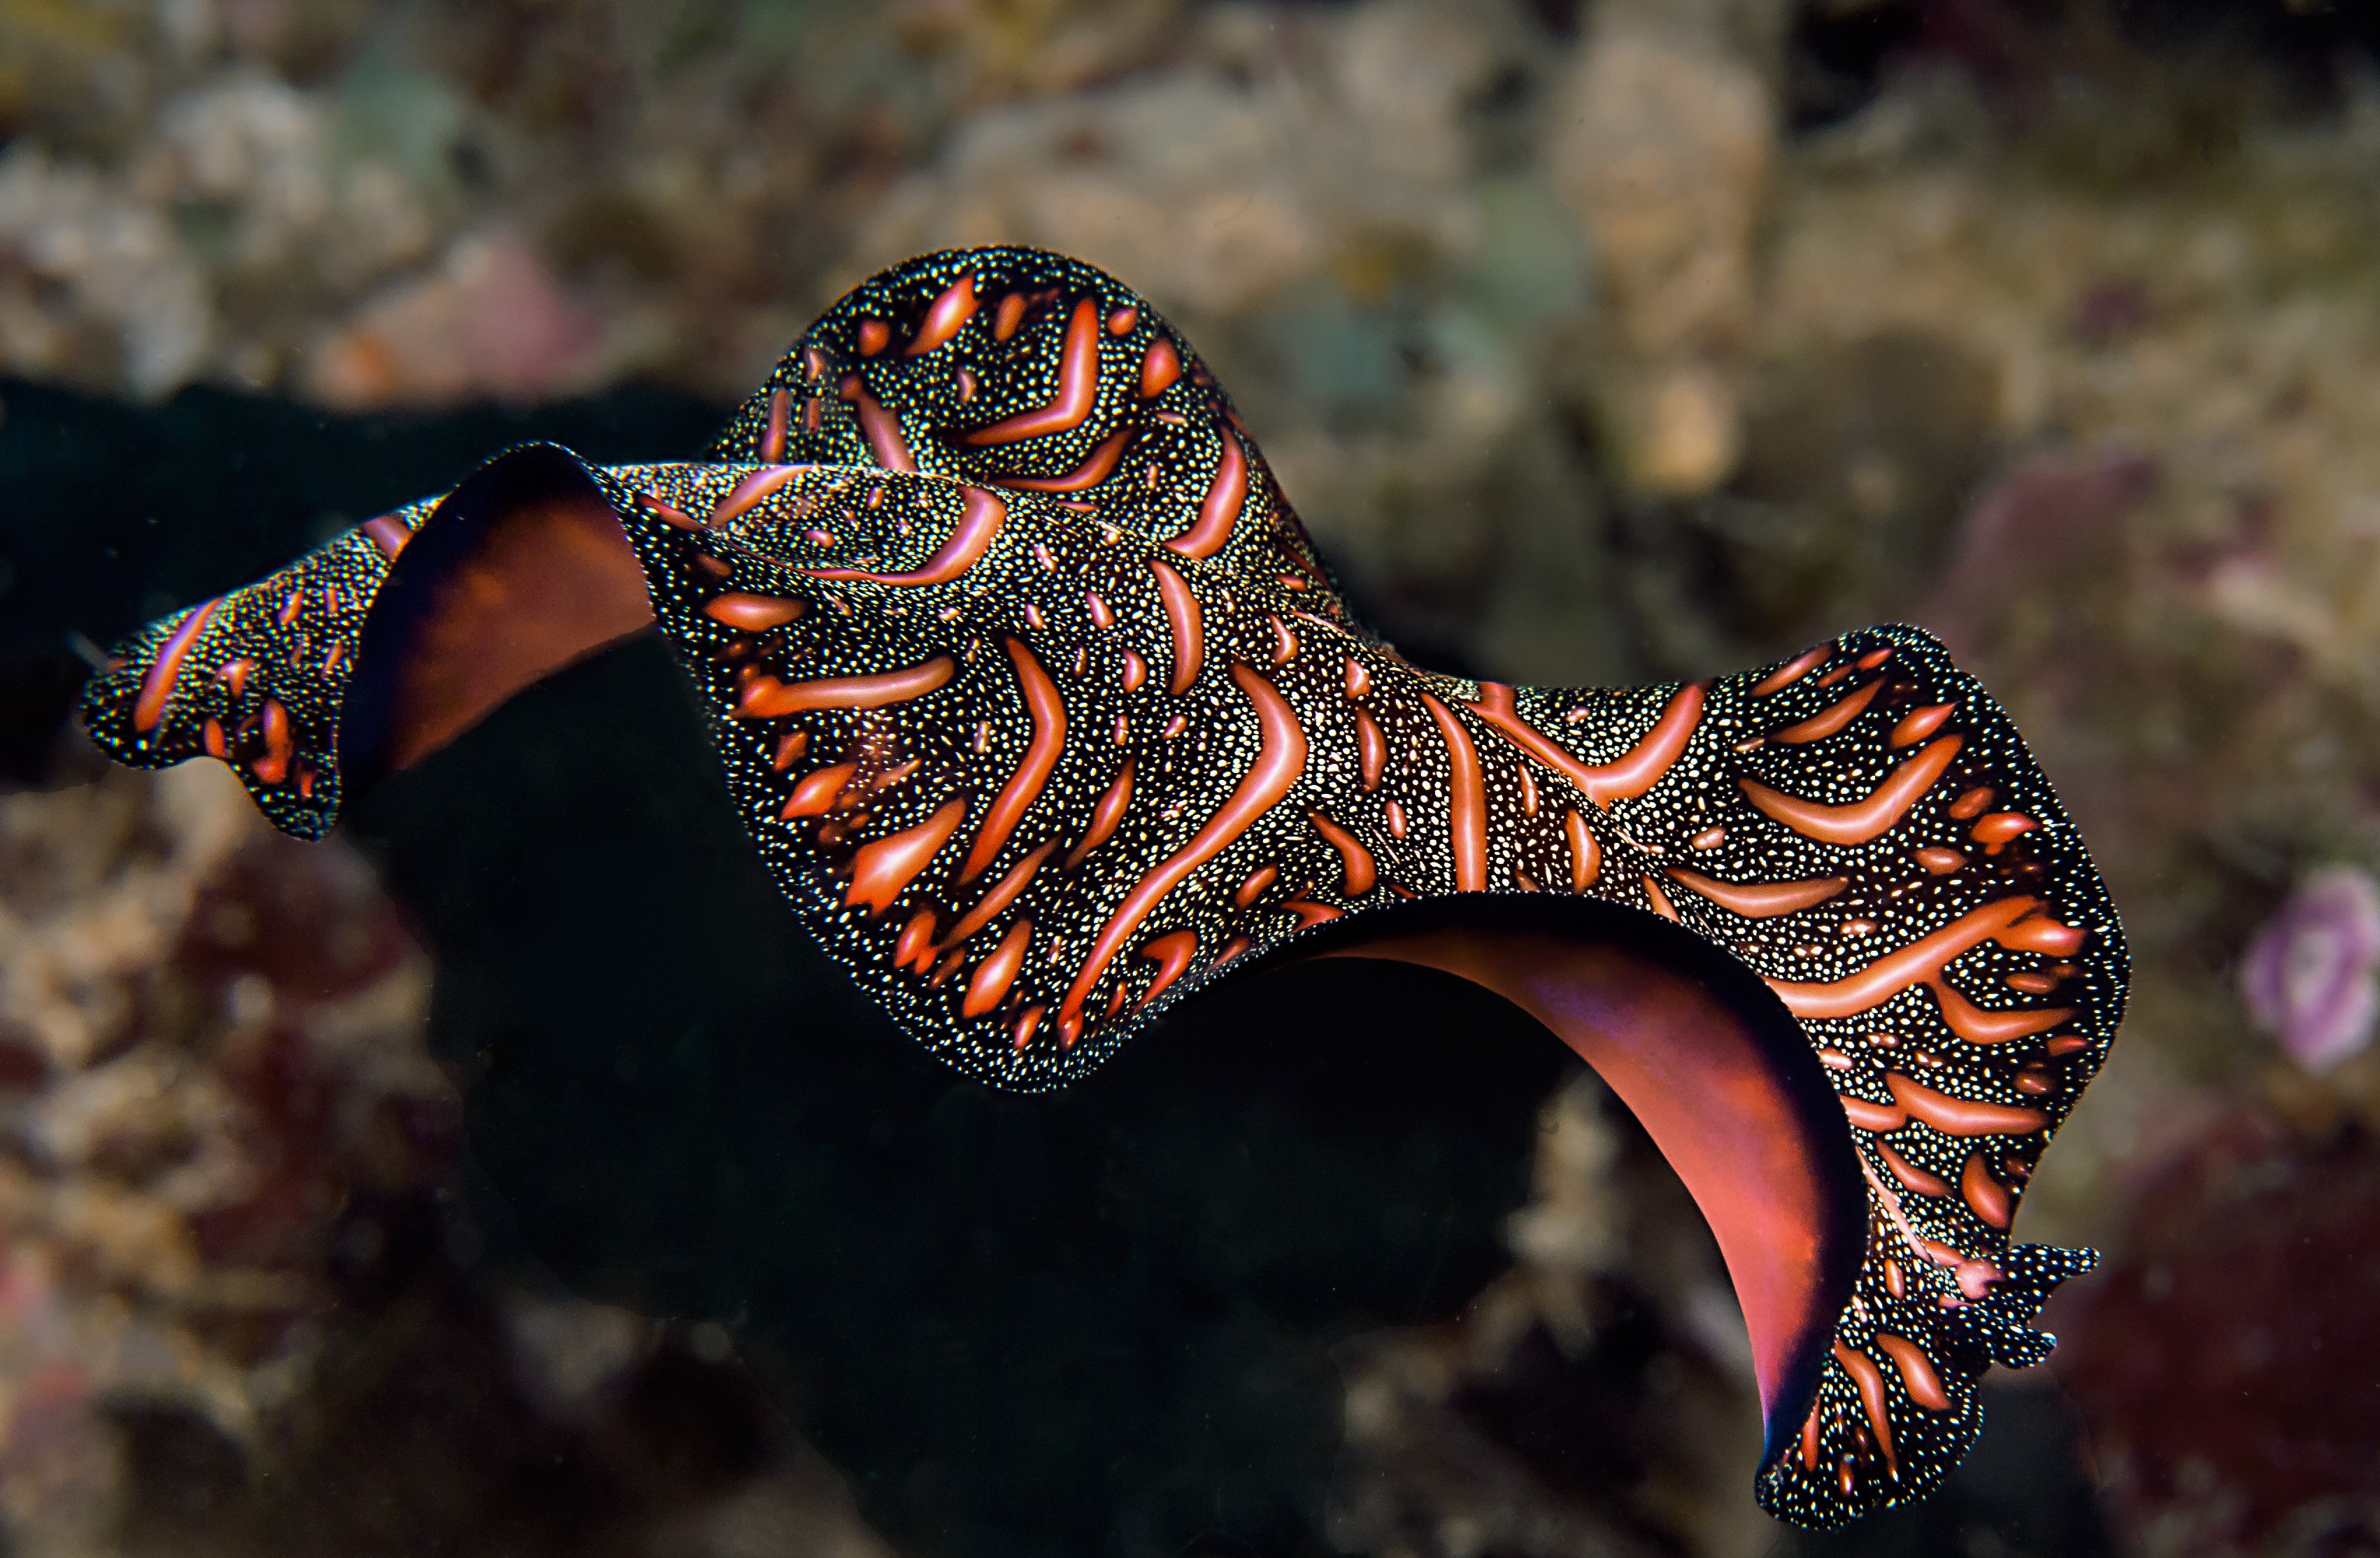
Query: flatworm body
point(1038, 701)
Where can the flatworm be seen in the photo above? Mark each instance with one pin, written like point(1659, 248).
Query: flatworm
point(1006, 627)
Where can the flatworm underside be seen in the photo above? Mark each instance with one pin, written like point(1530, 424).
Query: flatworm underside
point(1036, 699)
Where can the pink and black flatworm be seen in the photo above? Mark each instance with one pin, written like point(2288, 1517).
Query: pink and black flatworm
point(1038, 701)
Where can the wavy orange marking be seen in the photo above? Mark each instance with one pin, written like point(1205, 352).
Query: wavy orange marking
point(1003, 893)
point(1371, 748)
point(881, 429)
point(1978, 1025)
point(1987, 1196)
point(279, 746)
point(1159, 369)
point(1026, 1022)
point(1661, 905)
point(1010, 314)
point(1830, 719)
point(388, 533)
point(1355, 859)
point(1626, 778)
point(674, 517)
point(752, 613)
point(1895, 971)
point(1909, 1174)
point(765, 698)
point(2000, 827)
point(1253, 888)
point(1870, 1116)
point(1758, 900)
point(1309, 913)
point(1960, 1117)
point(1863, 820)
point(1218, 511)
point(1466, 799)
point(1916, 1371)
point(1279, 762)
point(1586, 855)
point(949, 313)
point(1792, 671)
point(157, 687)
point(881, 871)
point(874, 336)
point(1104, 816)
point(980, 520)
point(1078, 386)
point(1919, 723)
point(1183, 620)
point(997, 971)
point(917, 943)
point(772, 435)
point(1097, 468)
point(1171, 954)
point(1024, 785)
point(2044, 935)
point(814, 797)
point(751, 488)
point(1870, 1380)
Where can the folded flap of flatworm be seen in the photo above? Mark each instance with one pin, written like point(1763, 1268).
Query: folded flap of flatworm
point(1033, 695)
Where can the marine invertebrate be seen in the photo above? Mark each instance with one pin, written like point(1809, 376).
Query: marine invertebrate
point(1033, 693)
point(2308, 976)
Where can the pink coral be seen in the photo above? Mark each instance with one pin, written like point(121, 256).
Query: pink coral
point(2309, 975)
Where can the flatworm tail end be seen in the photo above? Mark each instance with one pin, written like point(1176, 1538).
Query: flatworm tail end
point(381, 645)
point(1876, 841)
point(255, 677)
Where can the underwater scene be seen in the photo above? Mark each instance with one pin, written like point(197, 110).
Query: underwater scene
point(1190, 778)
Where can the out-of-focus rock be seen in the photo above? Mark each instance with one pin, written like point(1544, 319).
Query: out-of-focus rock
point(96, 288)
point(1313, 141)
point(568, 1354)
point(214, 1037)
point(1663, 142)
point(2229, 1359)
point(492, 322)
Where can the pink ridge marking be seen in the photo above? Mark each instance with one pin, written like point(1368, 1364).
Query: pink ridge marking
point(751, 488)
point(881, 429)
point(969, 540)
point(765, 698)
point(1219, 512)
point(773, 436)
point(157, 687)
point(1624, 778)
point(1078, 384)
point(1862, 819)
point(1279, 762)
point(1895, 971)
point(1023, 788)
point(1096, 467)
point(388, 533)
point(950, 313)
point(1466, 799)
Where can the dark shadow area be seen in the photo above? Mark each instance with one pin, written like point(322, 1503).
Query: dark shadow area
point(1077, 1322)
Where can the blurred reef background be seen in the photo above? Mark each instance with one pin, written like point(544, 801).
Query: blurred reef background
point(510, 1177)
